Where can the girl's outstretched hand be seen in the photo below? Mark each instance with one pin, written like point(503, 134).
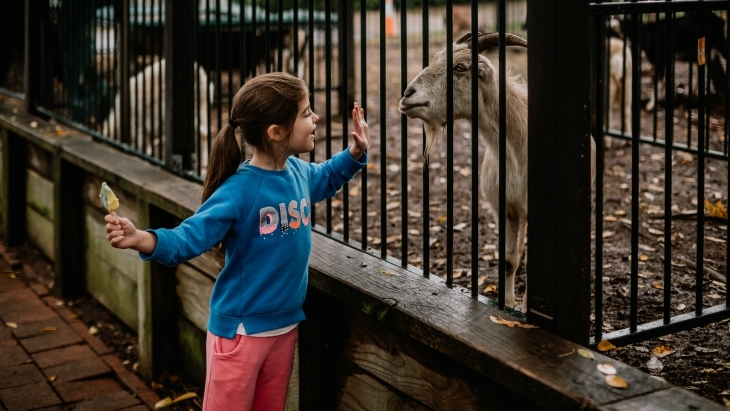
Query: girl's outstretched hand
point(361, 134)
point(120, 232)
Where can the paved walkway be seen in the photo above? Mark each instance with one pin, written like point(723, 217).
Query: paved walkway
point(50, 361)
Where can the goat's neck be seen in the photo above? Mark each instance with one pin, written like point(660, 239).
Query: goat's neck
point(516, 116)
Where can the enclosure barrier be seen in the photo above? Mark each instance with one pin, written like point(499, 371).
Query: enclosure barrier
point(669, 33)
point(371, 341)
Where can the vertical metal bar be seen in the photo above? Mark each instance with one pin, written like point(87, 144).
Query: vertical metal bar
point(383, 147)
point(345, 31)
point(404, 136)
point(700, 178)
point(254, 56)
point(669, 142)
point(218, 80)
point(160, 83)
point(267, 35)
point(295, 37)
point(690, 86)
point(363, 102)
point(655, 111)
point(123, 65)
point(502, 223)
point(229, 35)
point(242, 47)
point(280, 36)
point(136, 140)
point(426, 174)
point(635, 192)
point(312, 87)
point(328, 97)
point(599, 44)
point(144, 96)
point(449, 144)
point(475, 167)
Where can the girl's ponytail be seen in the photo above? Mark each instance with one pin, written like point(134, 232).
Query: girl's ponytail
point(225, 157)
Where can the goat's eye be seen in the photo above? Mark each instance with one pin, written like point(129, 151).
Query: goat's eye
point(460, 68)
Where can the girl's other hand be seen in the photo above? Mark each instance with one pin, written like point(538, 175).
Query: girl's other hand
point(361, 134)
point(120, 232)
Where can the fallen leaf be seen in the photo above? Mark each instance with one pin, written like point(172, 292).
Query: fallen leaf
point(33, 124)
point(616, 382)
point(654, 364)
point(441, 218)
point(363, 264)
point(72, 316)
point(643, 257)
point(662, 351)
point(717, 210)
point(715, 296)
point(48, 329)
point(586, 353)
point(491, 288)
point(566, 354)
point(659, 286)
point(605, 345)
point(727, 402)
point(392, 206)
point(52, 378)
point(619, 212)
point(681, 307)
point(11, 325)
point(355, 191)
point(459, 227)
point(715, 239)
point(609, 218)
point(655, 231)
point(511, 324)
point(93, 330)
point(165, 402)
point(607, 234)
point(606, 368)
point(156, 385)
point(389, 273)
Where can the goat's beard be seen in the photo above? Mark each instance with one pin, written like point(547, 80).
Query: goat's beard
point(433, 132)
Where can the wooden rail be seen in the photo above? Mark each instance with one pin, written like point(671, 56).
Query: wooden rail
point(377, 336)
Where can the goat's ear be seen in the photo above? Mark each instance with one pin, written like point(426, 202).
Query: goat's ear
point(484, 69)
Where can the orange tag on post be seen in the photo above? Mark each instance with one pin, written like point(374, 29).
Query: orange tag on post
point(701, 51)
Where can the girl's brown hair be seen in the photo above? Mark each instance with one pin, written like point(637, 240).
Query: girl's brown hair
point(265, 100)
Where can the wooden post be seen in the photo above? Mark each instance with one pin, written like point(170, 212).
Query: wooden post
point(14, 180)
point(179, 88)
point(559, 188)
point(68, 236)
point(157, 305)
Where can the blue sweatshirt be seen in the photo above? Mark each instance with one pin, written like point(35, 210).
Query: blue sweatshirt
point(264, 220)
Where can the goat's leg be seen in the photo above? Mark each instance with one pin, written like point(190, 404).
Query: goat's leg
point(521, 235)
point(512, 257)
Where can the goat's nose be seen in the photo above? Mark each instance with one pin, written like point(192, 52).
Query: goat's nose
point(409, 92)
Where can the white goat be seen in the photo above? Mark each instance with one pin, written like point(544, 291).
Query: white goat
point(147, 94)
point(619, 85)
point(425, 99)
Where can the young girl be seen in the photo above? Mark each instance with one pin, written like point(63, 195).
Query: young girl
point(261, 210)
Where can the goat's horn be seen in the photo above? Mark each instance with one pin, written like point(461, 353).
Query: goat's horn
point(491, 40)
point(465, 38)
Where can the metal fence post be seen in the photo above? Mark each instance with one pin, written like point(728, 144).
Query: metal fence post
point(38, 76)
point(179, 77)
point(559, 194)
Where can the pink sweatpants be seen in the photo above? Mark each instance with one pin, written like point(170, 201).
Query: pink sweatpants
point(248, 373)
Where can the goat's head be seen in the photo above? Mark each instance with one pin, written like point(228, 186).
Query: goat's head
point(425, 97)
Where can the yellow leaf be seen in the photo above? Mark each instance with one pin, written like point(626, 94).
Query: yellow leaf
point(48, 329)
point(511, 324)
point(643, 257)
point(616, 382)
point(659, 286)
point(586, 353)
point(389, 273)
point(11, 325)
point(609, 218)
point(165, 402)
point(156, 385)
point(605, 346)
point(661, 351)
point(186, 396)
point(606, 368)
point(441, 218)
point(567, 353)
point(619, 212)
point(720, 209)
point(52, 378)
point(491, 288)
point(93, 330)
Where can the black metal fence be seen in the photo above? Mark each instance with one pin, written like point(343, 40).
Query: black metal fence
point(670, 106)
point(109, 78)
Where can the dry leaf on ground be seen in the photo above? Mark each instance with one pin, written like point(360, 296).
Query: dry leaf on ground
point(605, 346)
point(566, 354)
point(654, 364)
point(11, 325)
point(616, 382)
point(662, 351)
